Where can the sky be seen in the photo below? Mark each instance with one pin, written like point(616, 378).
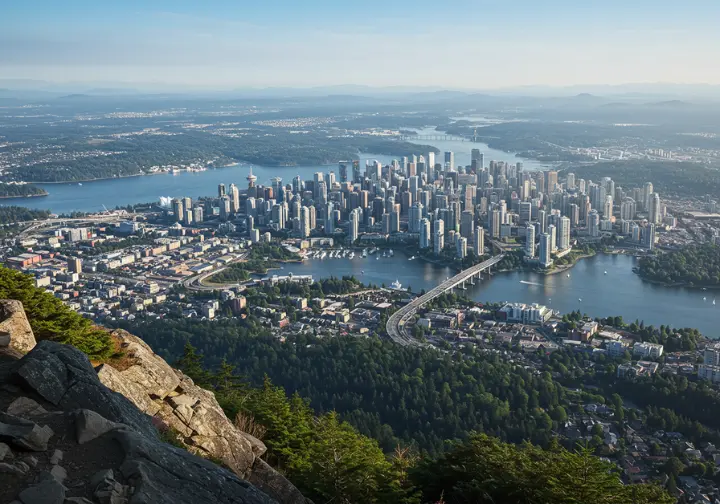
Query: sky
point(454, 44)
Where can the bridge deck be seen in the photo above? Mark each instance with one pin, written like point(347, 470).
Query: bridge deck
point(398, 319)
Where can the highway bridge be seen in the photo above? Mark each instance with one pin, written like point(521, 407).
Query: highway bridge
point(397, 321)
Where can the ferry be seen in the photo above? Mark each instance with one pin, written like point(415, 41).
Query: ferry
point(396, 285)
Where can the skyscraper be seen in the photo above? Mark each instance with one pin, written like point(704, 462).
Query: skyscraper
point(608, 207)
point(655, 215)
point(461, 247)
point(178, 209)
point(545, 249)
point(647, 191)
point(552, 180)
point(221, 190)
point(479, 241)
point(627, 209)
point(530, 241)
point(593, 223)
point(304, 222)
point(424, 234)
point(354, 225)
point(552, 231)
point(234, 198)
point(450, 161)
point(467, 224)
point(649, 236)
point(563, 237)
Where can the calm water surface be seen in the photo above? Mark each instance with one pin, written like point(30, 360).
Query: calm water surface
point(588, 288)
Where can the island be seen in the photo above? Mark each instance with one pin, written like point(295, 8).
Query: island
point(690, 266)
point(21, 191)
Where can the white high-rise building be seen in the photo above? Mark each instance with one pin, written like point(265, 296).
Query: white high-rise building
point(530, 241)
point(304, 222)
point(438, 242)
point(647, 192)
point(354, 225)
point(552, 231)
point(545, 249)
point(424, 233)
point(608, 207)
point(563, 237)
point(593, 223)
point(479, 241)
point(628, 209)
point(570, 181)
point(655, 214)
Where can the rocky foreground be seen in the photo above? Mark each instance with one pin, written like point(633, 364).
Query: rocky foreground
point(71, 433)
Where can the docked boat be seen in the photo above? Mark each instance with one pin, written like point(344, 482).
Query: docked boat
point(396, 285)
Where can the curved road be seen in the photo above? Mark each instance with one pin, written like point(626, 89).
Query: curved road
point(395, 324)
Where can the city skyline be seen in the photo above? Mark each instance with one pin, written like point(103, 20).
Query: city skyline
point(465, 45)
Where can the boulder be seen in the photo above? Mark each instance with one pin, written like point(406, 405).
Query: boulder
point(64, 376)
point(5, 452)
point(24, 434)
point(90, 425)
point(275, 484)
point(15, 330)
point(162, 474)
point(47, 491)
point(25, 407)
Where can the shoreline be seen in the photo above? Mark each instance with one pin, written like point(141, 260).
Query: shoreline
point(26, 196)
point(678, 284)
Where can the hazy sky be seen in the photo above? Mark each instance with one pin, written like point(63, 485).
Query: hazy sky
point(479, 44)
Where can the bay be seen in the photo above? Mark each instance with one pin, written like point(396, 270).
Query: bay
point(588, 288)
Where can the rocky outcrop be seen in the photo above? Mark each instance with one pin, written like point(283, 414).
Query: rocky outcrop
point(167, 394)
point(63, 376)
point(123, 404)
point(54, 451)
point(15, 330)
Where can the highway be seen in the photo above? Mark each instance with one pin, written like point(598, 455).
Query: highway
point(396, 323)
point(35, 225)
point(195, 282)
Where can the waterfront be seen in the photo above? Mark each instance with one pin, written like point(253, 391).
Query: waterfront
point(619, 292)
point(91, 196)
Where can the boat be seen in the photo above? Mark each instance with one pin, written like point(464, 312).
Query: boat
point(391, 253)
point(704, 298)
point(352, 255)
point(606, 272)
point(362, 272)
point(377, 258)
point(713, 301)
point(411, 258)
point(580, 299)
point(568, 275)
point(396, 285)
point(79, 183)
point(323, 255)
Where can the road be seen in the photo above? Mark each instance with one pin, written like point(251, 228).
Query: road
point(396, 323)
point(35, 225)
point(195, 282)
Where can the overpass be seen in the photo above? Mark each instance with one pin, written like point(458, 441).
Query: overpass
point(397, 321)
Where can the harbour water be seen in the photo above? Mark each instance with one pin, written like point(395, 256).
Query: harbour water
point(588, 288)
point(91, 196)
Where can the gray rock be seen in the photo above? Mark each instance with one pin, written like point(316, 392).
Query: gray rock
point(56, 457)
point(15, 324)
point(150, 372)
point(25, 407)
point(44, 373)
point(30, 460)
point(59, 473)
point(258, 447)
point(101, 476)
point(23, 466)
point(275, 484)
point(64, 376)
point(90, 425)
point(47, 491)
point(5, 452)
point(162, 474)
point(6, 468)
point(24, 434)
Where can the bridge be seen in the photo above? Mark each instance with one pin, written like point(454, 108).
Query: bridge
point(439, 137)
point(396, 323)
